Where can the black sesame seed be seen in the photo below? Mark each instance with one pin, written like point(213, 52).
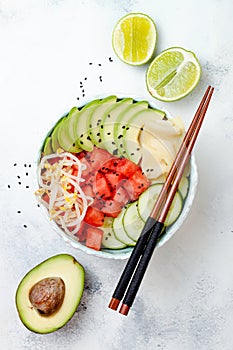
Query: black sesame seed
point(27, 186)
point(100, 64)
point(29, 165)
point(25, 226)
point(106, 238)
point(99, 140)
point(120, 136)
point(99, 120)
point(19, 183)
point(83, 95)
point(38, 205)
point(90, 126)
point(109, 116)
point(88, 138)
point(113, 143)
point(151, 169)
point(121, 145)
point(73, 144)
point(123, 127)
point(137, 149)
point(101, 126)
point(19, 212)
point(141, 129)
point(98, 134)
point(25, 165)
point(132, 154)
point(110, 59)
point(81, 135)
point(127, 128)
point(81, 142)
point(26, 174)
point(90, 63)
point(108, 133)
point(85, 78)
point(8, 186)
point(77, 98)
point(15, 164)
point(100, 78)
point(83, 90)
point(18, 176)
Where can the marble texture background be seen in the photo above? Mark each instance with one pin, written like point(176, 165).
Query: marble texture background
point(186, 300)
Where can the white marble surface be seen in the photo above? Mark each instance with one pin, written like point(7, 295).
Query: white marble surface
point(186, 300)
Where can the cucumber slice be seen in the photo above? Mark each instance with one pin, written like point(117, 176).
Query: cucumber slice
point(147, 200)
point(109, 239)
point(184, 186)
point(119, 230)
point(132, 222)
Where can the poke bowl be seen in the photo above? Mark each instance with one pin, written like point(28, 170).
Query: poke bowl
point(100, 169)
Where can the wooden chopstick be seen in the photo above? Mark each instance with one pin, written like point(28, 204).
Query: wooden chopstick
point(155, 223)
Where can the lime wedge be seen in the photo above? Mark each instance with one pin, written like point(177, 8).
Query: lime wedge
point(134, 38)
point(173, 74)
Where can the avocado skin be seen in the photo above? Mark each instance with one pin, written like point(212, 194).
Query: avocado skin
point(76, 274)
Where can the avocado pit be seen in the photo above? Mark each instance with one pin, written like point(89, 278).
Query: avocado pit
point(47, 295)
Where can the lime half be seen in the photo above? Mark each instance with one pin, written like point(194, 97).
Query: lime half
point(173, 74)
point(134, 38)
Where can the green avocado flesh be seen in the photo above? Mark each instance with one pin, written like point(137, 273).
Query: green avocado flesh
point(59, 306)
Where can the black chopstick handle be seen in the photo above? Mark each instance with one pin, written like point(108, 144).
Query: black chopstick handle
point(133, 259)
point(142, 265)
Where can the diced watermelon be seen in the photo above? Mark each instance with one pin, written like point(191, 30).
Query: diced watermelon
point(111, 208)
point(101, 187)
point(126, 167)
point(113, 178)
point(86, 173)
point(81, 155)
point(121, 196)
point(94, 217)
point(98, 157)
point(94, 238)
point(46, 198)
point(139, 182)
point(87, 189)
point(129, 188)
point(82, 232)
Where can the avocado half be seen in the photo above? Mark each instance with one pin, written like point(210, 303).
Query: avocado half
point(49, 294)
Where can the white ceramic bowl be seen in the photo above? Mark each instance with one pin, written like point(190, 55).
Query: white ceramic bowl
point(125, 253)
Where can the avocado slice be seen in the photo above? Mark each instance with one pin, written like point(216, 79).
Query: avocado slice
point(54, 136)
point(66, 137)
point(108, 122)
point(122, 120)
point(83, 139)
point(95, 118)
point(47, 147)
point(61, 277)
